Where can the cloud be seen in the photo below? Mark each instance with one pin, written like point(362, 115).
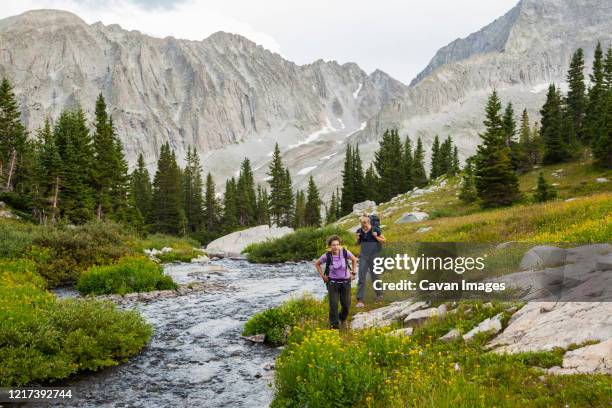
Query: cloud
point(186, 19)
point(396, 36)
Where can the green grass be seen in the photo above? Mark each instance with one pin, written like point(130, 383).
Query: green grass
point(127, 275)
point(303, 244)
point(330, 368)
point(44, 339)
point(184, 249)
point(276, 323)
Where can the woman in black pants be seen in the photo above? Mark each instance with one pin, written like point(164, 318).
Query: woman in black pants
point(337, 277)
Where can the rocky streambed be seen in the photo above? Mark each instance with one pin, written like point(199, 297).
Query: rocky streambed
point(196, 357)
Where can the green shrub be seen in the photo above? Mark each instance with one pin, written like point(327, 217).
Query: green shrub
point(20, 272)
point(43, 339)
point(15, 238)
point(372, 367)
point(303, 244)
point(276, 323)
point(179, 255)
point(326, 371)
point(63, 252)
point(129, 274)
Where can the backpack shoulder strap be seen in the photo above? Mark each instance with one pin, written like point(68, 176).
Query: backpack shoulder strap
point(328, 261)
point(346, 258)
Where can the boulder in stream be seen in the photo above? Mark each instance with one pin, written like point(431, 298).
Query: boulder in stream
point(233, 244)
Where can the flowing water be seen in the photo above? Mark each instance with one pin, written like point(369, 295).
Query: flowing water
point(196, 357)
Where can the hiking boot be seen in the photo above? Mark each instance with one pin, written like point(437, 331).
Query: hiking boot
point(360, 304)
point(344, 325)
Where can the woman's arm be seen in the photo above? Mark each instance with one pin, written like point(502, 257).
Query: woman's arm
point(318, 266)
point(379, 237)
point(354, 265)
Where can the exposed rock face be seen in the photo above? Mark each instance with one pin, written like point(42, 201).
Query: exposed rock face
point(212, 94)
point(492, 325)
point(595, 358)
point(230, 98)
point(518, 54)
point(233, 244)
point(544, 326)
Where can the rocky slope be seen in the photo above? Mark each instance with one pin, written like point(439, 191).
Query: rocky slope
point(230, 98)
point(518, 54)
point(225, 95)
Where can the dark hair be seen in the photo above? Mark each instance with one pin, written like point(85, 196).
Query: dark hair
point(333, 238)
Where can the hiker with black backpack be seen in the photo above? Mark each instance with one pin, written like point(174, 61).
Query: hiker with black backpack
point(337, 276)
point(370, 238)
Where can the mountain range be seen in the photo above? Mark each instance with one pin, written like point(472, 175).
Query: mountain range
point(231, 98)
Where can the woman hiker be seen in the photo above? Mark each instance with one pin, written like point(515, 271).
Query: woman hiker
point(370, 239)
point(337, 277)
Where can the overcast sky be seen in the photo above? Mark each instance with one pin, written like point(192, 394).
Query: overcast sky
point(396, 36)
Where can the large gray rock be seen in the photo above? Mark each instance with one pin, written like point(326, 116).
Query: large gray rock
point(543, 256)
point(583, 276)
point(415, 216)
point(233, 244)
point(386, 315)
point(490, 325)
point(420, 316)
point(591, 359)
point(364, 207)
point(542, 326)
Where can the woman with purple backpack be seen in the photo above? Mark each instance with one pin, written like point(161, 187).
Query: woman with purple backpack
point(337, 276)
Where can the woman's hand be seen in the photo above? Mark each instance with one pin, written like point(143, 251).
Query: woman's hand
point(325, 278)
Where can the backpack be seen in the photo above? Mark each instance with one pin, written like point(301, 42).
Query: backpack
point(328, 260)
point(374, 220)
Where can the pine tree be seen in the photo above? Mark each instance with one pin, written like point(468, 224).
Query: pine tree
point(168, 212)
point(608, 70)
point(313, 205)
point(420, 177)
point(407, 167)
point(230, 206)
point(12, 136)
point(496, 182)
point(104, 161)
point(247, 198)
point(348, 185)
point(288, 200)
point(338, 200)
point(509, 125)
point(576, 95)
point(142, 190)
point(596, 98)
point(536, 147)
point(468, 191)
point(358, 178)
point(263, 206)
point(519, 154)
point(455, 167)
point(278, 189)
point(110, 169)
point(212, 210)
point(299, 218)
point(446, 157)
point(51, 172)
point(193, 201)
point(331, 210)
point(544, 190)
point(388, 163)
point(74, 145)
point(371, 183)
point(555, 147)
point(602, 142)
point(434, 171)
